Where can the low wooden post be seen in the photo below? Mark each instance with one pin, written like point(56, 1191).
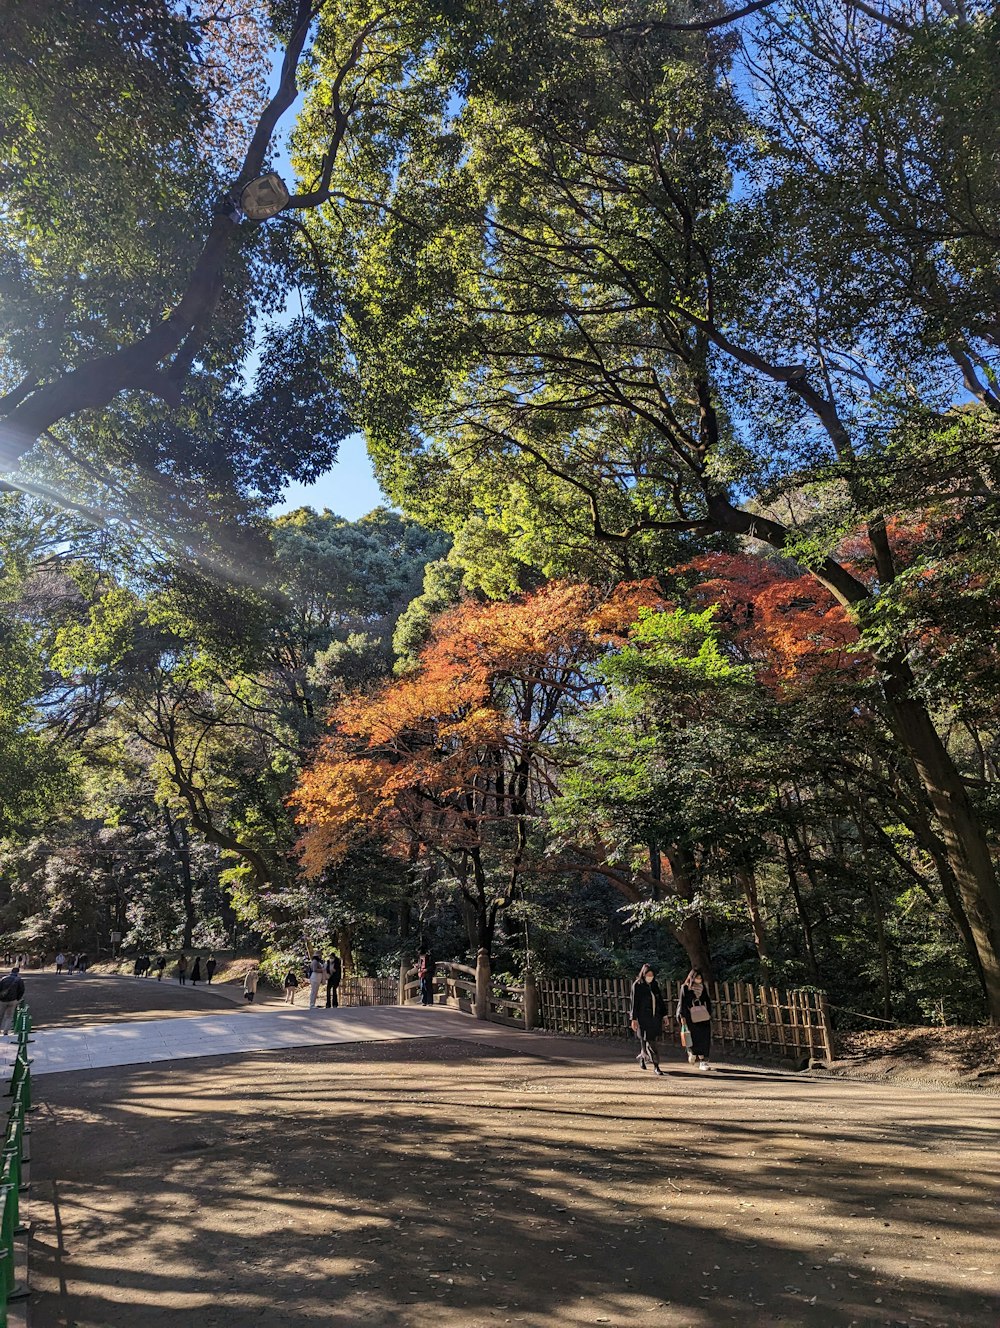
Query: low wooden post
point(829, 1042)
point(404, 969)
point(482, 984)
point(530, 1000)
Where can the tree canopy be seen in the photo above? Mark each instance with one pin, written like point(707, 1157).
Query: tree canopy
point(672, 333)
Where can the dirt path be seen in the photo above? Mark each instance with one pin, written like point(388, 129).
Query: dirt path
point(70, 999)
point(447, 1184)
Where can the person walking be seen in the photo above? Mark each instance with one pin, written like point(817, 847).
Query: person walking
point(210, 968)
point(291, 986)
point(425, 975)
point(182, 970)
point(250, 983)
point(334, 970)
point(694, 1011)
point(11, 994)
point(161, 964)
point(646, 1016)
point(196, 970)
point(316, 975)
point(60, 962)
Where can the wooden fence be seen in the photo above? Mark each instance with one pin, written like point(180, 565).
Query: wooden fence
point(752, 1020)
point(368, 991)
point(758, 1021)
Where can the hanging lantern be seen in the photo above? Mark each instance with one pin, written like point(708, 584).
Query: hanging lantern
point(264, 197)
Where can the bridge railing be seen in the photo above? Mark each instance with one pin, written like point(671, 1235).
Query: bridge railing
point(14, 1169)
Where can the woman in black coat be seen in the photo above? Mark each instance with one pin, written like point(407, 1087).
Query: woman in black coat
point(647, 1015)
point(695, 1009)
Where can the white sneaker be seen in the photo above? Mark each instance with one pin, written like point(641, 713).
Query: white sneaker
point(702, 1065)
point(691, 1058)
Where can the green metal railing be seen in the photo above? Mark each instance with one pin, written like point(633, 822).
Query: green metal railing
point(12, 1160)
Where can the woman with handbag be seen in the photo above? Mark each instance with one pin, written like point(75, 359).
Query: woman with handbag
point(646, 1016)
point(694, 1013)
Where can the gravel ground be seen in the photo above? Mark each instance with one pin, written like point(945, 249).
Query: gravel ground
point(451, 1184)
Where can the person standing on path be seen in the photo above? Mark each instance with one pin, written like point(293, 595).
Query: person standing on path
point(646, 1016)
point(425, 975)
point(11, 995)
point(210, 968)
point(291, 986)
point(196, 970)
point(316, 974)
point(161, 964)
point(60, 962)
point(250, 983)
point(182, 970)
point(694, 1008)
point(334, 970)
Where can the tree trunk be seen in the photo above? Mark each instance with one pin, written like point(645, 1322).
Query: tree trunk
point(344, 942)
point(914, 818)
point(690, 933)
point(806, 925)
point(180, 841)
point(692, 937)
point(748, 882)
point(965, 844)
point(878, 913)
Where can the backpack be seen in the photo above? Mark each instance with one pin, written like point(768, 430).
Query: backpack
point(8, 988)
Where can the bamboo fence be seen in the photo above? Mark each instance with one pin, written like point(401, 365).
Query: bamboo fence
point(368, 991)
point(755, 1020)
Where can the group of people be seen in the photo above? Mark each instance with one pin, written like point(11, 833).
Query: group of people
point(317, 972)
point(192, 974)
point(648, 1017)
point(75, 963)
point(144, 966)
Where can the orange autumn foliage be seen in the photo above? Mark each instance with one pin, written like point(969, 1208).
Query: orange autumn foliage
point(462, 744)
point(788, 626)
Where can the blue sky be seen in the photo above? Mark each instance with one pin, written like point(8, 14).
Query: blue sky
point(349, 489)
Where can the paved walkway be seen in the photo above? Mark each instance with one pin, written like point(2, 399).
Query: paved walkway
point(96, 1046)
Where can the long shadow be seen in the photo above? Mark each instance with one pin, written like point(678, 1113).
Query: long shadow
point(438, 1183)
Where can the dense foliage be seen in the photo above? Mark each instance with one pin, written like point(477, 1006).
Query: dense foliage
point(673, 335)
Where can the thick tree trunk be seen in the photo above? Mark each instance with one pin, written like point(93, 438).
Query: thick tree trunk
point(691, 935)
point(915, 819)
point(964, 840)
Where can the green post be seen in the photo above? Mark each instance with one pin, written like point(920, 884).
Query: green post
point(9, 1227)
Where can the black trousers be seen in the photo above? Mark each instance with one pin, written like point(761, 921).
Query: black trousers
point(331, 994)
point(648, 1049)
point(426, 991)
point(701, 1038)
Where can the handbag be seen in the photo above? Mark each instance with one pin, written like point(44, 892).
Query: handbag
point(699, 1014)
point(686, 1039)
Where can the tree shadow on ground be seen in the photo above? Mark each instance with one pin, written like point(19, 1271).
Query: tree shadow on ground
point(429, 1183)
